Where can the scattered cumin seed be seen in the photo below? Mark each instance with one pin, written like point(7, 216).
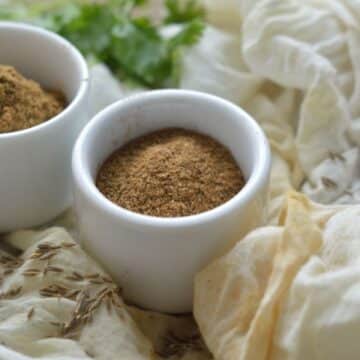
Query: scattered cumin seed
point(95, 305)
point(102, 292)
point(91, 276)
point(77, 275)
point(68, 245)
point(6, 259)
point(48, 256)
point(96, 282)
point(8, 271)
point(36, 255)
point(72, 278)
point(55, 269)
point(173, 345)
point(30, 314)
point(336, 156)
point(89, 354)
point(328, 183)
point(44, 246)
point(30, 273)
point(54, 290)
point(106, 279)
point(14, 292)
point(89, 318)
point(48, 293)
point(116, 302)
point(72, 294)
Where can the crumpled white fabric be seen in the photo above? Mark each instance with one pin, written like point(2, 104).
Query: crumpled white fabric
point(288, 291)
point(309, 45)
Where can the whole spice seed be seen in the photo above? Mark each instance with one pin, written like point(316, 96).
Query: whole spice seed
point(170, 173)
point(48, 256)
point(11, 293)
point(55, 269)
point(68, 245)
point(23, 103)
point(30, 314)
point(336, 156)
point(31, 272)
point(328, 183)
point(92, 276)
point(173, 345)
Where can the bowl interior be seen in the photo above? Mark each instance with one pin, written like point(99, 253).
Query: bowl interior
point(162, 109)
point(41, 56)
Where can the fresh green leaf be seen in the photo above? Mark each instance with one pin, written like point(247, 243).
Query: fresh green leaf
point(109, 32)
point(183, 11)
point(89, 28)
point(188, 36)
point(141, 52)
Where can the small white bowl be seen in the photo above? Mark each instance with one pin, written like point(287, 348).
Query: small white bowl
point(35, 163)
point(155, 259)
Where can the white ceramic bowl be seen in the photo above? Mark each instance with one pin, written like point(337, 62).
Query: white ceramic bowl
point(155, 259)
point(35, 164)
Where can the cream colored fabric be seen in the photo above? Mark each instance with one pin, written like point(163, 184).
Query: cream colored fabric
point(34, 324)
point(288, 290)
point(52, 286)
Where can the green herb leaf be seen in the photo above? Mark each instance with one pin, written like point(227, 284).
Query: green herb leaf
point(89, 28)
point(108, 31)
point(182, 12)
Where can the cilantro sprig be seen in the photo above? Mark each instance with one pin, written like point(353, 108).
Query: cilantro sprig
point(110, 32)
point(182, 12)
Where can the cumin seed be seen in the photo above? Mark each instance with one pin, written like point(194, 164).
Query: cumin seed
point(55, 269)
point(329, 183)
point(30, 314)
point(91, 276)
point(96, 282)
point(8, 271)
point(68, 245)
point(336, 156)
point(48, 256)
point(77, 275)
point(106, 279)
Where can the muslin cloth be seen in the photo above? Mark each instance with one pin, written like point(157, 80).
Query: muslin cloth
point(289, 290)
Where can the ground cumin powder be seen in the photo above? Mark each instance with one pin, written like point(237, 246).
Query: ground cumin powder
point(170, 173)
point(23, 103)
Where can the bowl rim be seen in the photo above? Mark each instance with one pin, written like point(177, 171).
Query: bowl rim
point(84, 79)
point(83, 179)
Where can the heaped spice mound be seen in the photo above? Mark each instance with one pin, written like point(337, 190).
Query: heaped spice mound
point(23, 103)
point(170, 173)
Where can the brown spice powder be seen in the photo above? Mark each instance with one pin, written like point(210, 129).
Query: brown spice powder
point(170, 173)
point(23, 103)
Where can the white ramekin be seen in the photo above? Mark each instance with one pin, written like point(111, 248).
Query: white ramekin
point(35, 163)
point(155, 259)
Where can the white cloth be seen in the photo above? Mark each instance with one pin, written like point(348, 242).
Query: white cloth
point(286, 292)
